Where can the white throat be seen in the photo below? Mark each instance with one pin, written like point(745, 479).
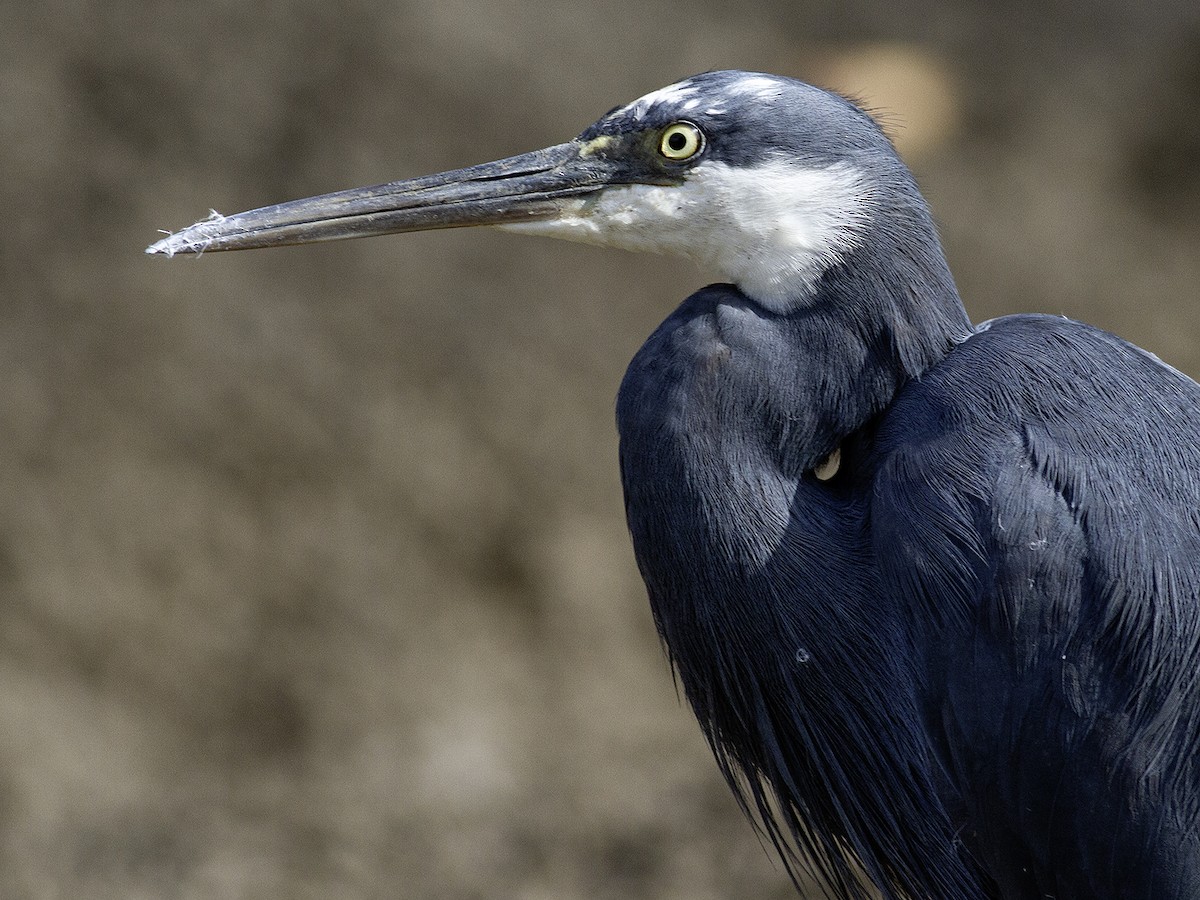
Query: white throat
point(772, 229)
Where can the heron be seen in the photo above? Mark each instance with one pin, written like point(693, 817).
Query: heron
point(932, 589)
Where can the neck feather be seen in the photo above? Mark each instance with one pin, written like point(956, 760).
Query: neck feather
point(787, 648)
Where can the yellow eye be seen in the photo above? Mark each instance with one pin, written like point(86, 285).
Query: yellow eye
point(683, 140)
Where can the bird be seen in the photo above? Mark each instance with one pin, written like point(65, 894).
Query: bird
point(931, 588)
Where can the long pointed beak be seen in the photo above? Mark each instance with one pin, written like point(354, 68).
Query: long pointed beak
point(526, 188)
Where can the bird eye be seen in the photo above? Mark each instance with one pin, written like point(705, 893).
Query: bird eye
point(683, 140)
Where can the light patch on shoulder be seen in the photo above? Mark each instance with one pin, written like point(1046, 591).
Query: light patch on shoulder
point(772, 229)
point(829, 466)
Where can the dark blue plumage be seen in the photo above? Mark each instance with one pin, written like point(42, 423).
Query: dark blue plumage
point(933, 591)
point(1063, 557)
point(970, 657)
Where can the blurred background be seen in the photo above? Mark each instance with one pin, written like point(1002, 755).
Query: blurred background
point(313, 575)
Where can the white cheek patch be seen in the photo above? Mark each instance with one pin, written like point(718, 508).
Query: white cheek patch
point(772, 229)
point(785, 225)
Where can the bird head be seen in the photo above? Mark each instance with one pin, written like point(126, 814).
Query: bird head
point(767, 180)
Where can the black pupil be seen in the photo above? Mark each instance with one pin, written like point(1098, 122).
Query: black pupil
point(677, 141)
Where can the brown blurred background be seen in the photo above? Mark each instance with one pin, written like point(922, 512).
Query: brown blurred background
point(313, 574)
